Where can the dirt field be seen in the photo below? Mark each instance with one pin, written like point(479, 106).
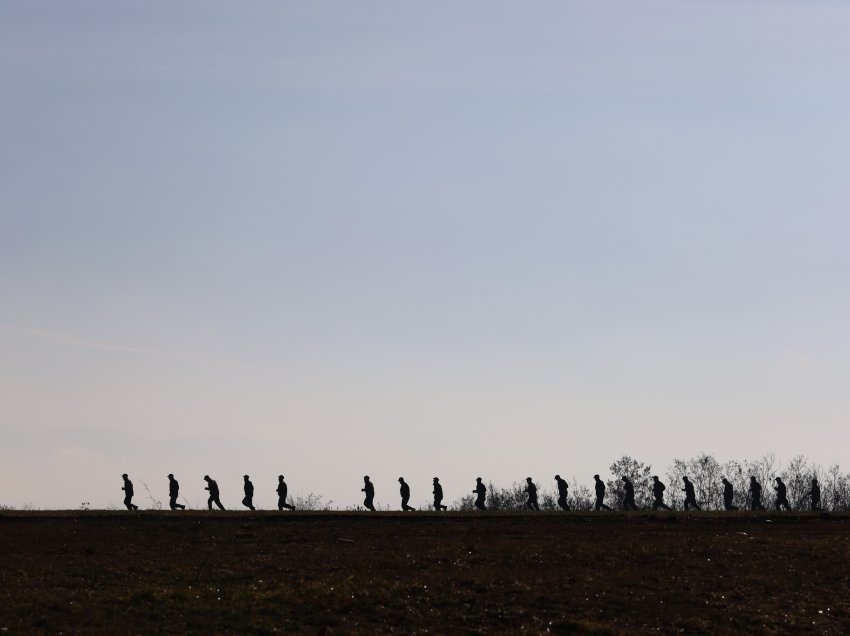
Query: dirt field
point(342, 573)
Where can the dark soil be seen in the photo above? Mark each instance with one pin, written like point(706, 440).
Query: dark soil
point(344, 573)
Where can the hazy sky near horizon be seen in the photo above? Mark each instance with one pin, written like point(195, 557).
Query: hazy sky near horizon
point(331, 239)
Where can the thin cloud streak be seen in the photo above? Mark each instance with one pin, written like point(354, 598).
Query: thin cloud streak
point(70, 339)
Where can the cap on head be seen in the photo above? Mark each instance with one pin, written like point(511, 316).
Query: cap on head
point(207, 477)
point(124, 475)
point(171, 475)
point(478, 479)
point(557, 476)
point(366, 477)
point(280, 476)
point(436, 479)
point(401, 478)
point(596, 476)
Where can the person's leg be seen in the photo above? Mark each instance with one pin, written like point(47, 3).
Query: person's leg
point(210, 502)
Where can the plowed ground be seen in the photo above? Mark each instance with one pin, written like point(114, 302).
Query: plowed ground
point(344, 573)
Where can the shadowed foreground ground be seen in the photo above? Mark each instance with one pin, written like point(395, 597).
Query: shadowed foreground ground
point(341, 573)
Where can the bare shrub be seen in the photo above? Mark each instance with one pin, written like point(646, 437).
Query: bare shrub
point(311, 501)
point(640, 475)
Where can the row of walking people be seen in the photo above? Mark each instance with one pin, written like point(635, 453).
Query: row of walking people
point(212, 489)
point(480, 491)
point(754, 494)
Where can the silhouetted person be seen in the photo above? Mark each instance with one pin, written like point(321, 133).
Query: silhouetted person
point(781, 495)
point(815, 495)
point(629, 496)
point(212, 486)
point(755, 492)
point(481, 492)
point(404, 491)
point(173, 491)
point(727, 495)
point(248, 499)
point(128, 493)
point(531, 489)
point(690, 495)
point(438, 495)
point(369, 489)
point(600, 494)
point(281, 494)
point(562, 492)
point(658, 492)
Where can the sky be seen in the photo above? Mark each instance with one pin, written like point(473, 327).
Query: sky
point(498, 239)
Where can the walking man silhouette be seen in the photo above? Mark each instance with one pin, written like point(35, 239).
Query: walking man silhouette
point(531, 489)
point(562, 493)
point(600, 494)
point(481, 492)
point(128, 493)
point(781, 495)
point(727, 495)
point(690, 495)
point(281, 494)
point(173, 491)
point(369, 489)
point(404, 491)
point(755, 491)
point(658, 492)
point(248, 500)
point(814, 493)
point(629, 495)
point(438, 495)
point(212, 487)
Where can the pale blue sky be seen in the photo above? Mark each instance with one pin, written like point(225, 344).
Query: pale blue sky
point(332, 238)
